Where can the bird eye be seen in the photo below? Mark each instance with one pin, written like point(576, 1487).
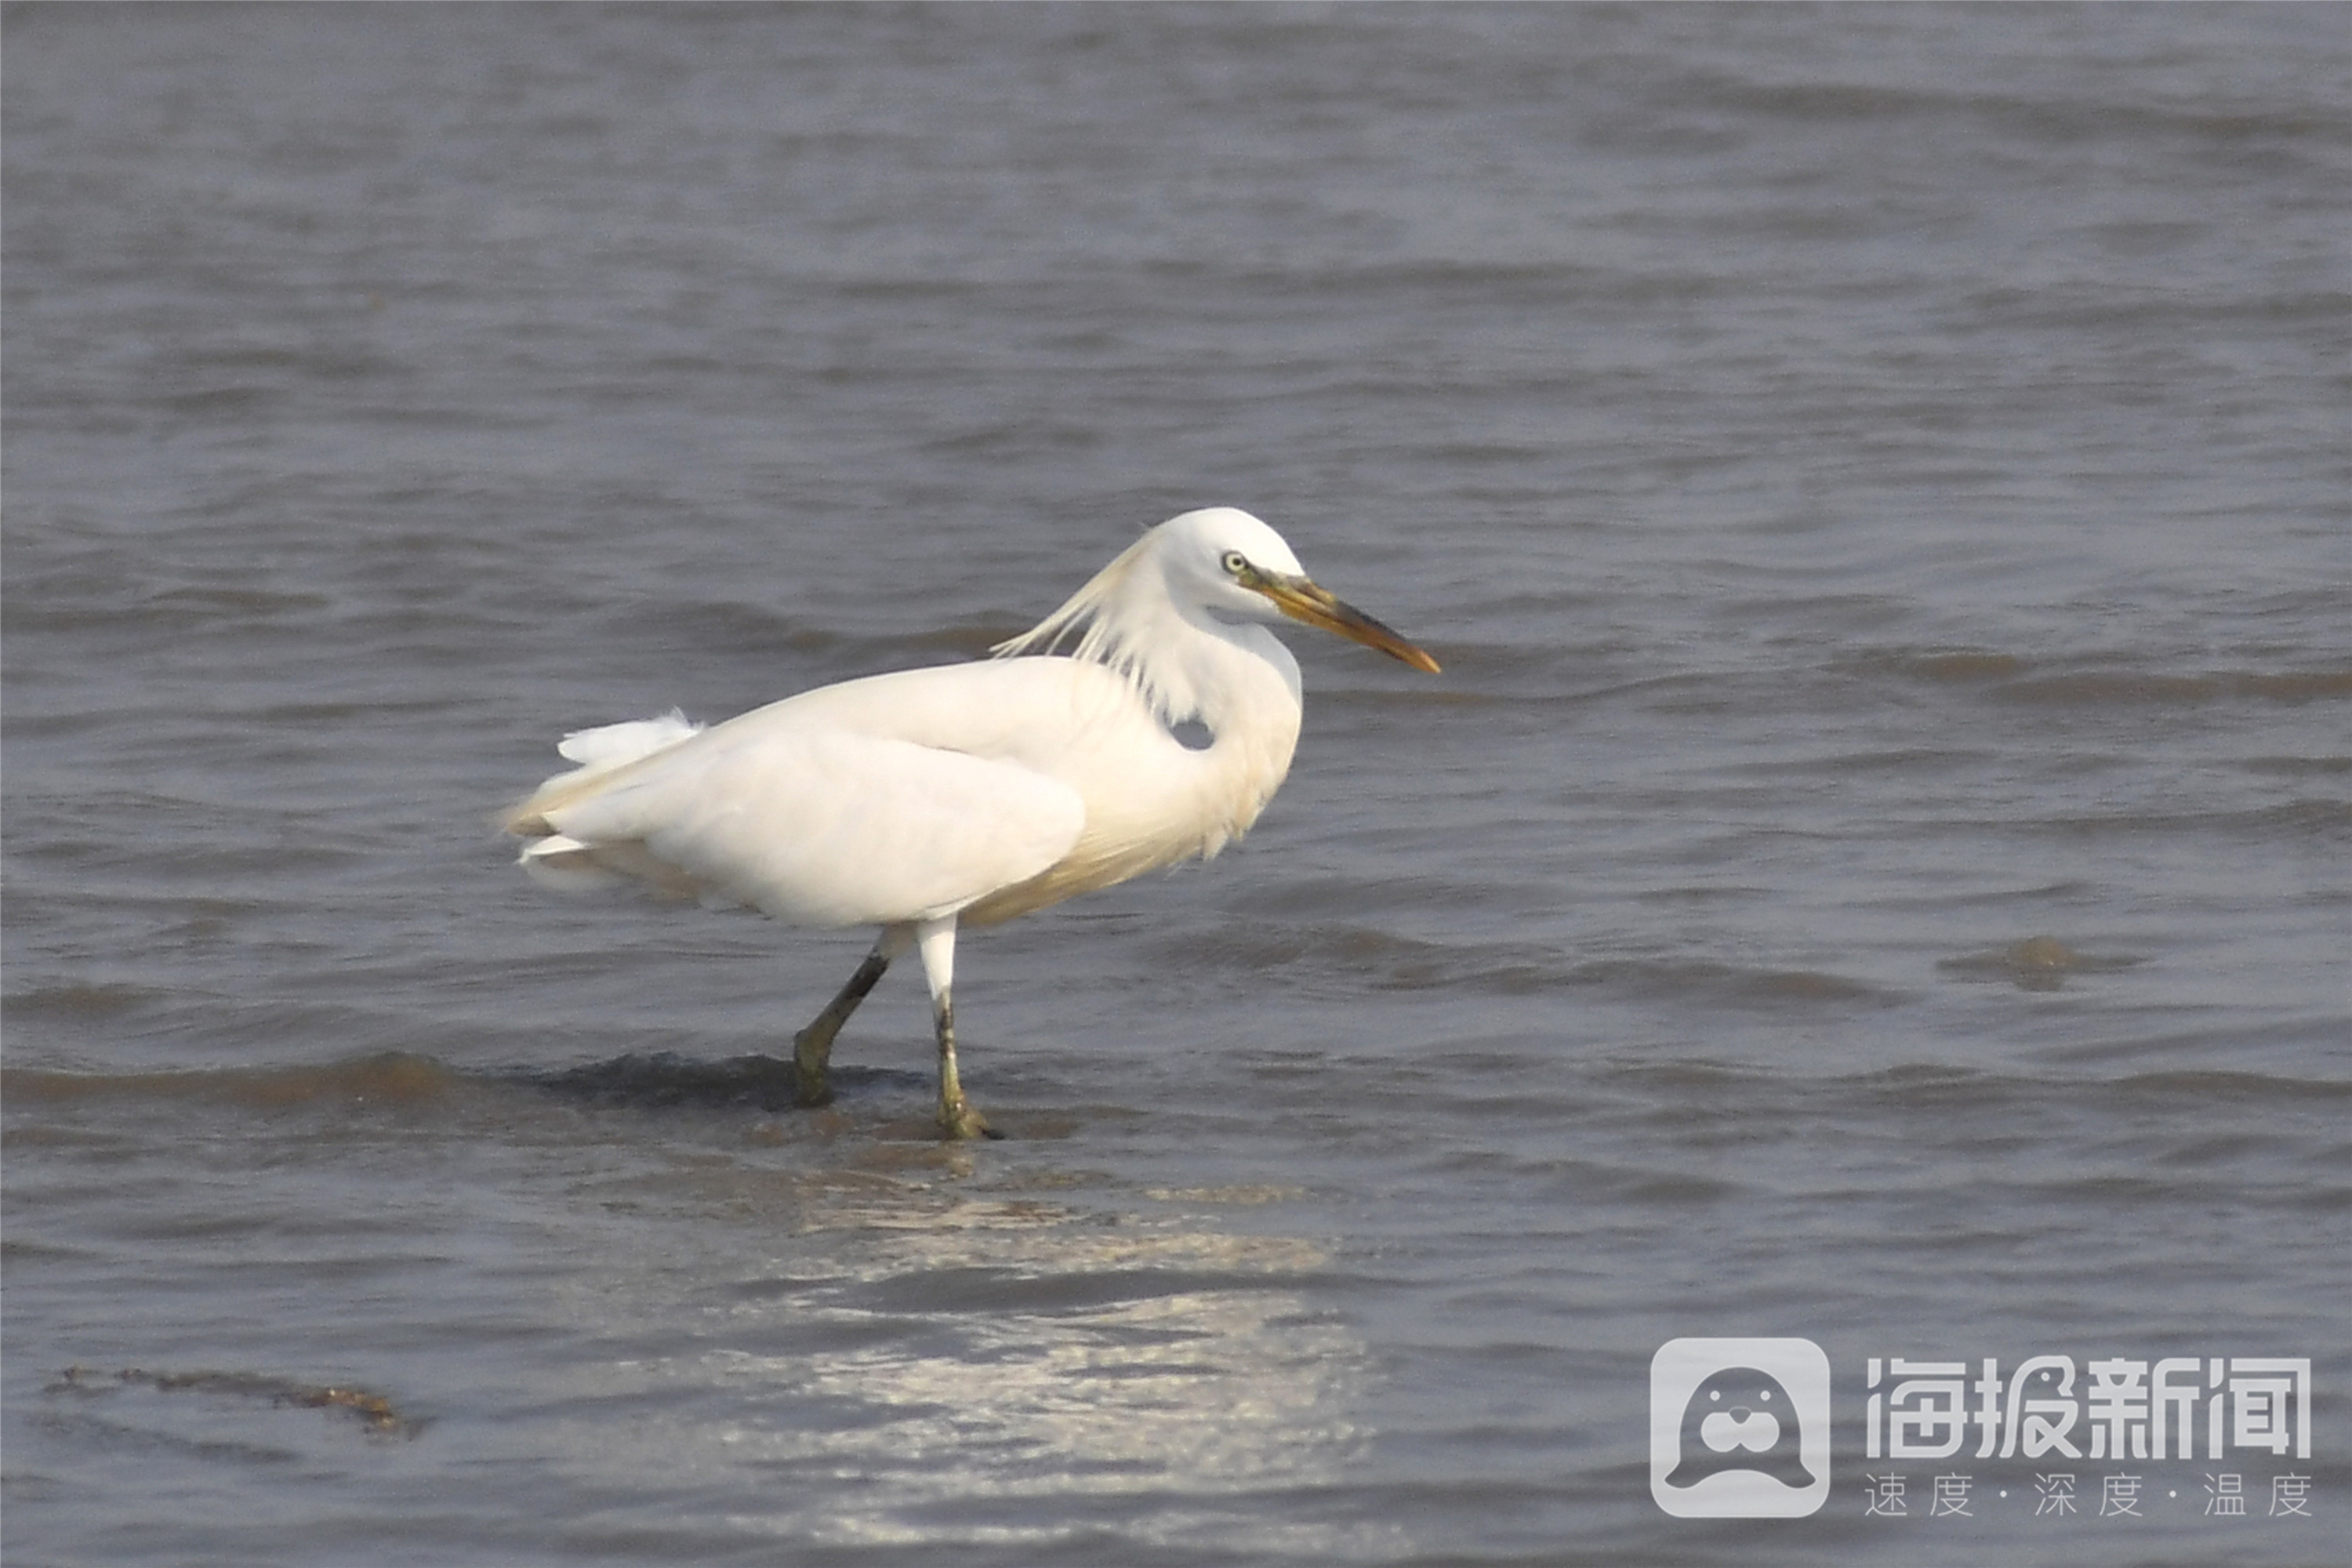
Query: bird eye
point(1235, 562)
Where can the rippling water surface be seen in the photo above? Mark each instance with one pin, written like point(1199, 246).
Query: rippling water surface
point(1874, 869)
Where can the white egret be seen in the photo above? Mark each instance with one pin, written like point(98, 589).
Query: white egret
point(968, 793)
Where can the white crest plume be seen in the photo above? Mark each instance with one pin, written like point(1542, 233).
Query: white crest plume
point(1119, 609)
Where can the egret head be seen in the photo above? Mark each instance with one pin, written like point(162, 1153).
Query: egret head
point(1239, 568)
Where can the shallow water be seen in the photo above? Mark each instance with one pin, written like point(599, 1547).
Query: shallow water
point(1874, 869)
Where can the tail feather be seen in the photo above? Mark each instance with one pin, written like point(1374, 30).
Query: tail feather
point(612, 746)
point(598, 752)
point(566, 865)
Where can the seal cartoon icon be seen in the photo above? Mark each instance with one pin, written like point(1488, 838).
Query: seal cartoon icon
point(1741, 1419)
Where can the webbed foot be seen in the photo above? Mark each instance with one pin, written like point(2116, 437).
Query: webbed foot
point(809, 1058)
point(958, 1121)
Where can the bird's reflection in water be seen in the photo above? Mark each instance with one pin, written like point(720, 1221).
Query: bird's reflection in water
point(911, 1360)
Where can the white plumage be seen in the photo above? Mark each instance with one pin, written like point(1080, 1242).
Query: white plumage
point(967, 792)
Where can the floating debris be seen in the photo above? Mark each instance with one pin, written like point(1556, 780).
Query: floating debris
point(372, 1409)
point(2037, 963)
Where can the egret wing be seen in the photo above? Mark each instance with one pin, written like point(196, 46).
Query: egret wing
point(823, 827)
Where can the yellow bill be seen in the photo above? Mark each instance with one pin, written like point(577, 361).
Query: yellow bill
point(1301, 600)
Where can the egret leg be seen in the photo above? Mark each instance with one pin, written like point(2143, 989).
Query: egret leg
point(935, 939)
point(812, 1046)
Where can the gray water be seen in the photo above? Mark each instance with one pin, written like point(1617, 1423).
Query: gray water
point(1876, 868)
